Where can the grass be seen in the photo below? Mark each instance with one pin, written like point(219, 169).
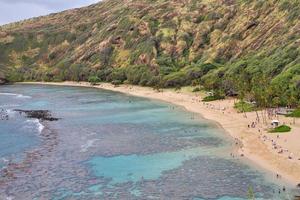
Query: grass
point(213, 98)
point(243, 106)
point(295, 113)
point(281, 129)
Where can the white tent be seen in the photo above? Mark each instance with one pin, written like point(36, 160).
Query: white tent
point(275, 122)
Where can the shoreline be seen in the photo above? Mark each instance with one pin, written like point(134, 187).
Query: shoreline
point(253, 148)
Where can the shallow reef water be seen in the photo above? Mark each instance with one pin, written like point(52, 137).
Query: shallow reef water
point(108, 145)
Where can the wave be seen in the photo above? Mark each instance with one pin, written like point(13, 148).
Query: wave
point(9, 105)
point(5, 160)
point(10, 112)
point(16, 95)
point(39, 126)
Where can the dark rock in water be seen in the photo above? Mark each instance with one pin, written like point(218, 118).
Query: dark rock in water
point(3, 80)
point(43, 115)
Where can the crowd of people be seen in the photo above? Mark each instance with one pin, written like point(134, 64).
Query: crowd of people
point(213, 107)
point(277, 147)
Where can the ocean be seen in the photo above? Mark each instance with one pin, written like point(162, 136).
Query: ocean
point(108, 145)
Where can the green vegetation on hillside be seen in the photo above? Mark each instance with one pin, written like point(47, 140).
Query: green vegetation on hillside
point(250, 48)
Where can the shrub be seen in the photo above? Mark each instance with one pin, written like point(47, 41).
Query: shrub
point(167, 65)
point(52, 56)
point(213, 98)
point(119, 74)
point(281, 129)
point(295, 113)
point(198, 70)
point(176, 79)
point(94, 80)
point(154, 81)
point(145, 79)
point(74, 71)
point(104, 74)
point(138, 74)
point(199, 19)
point(15, 76)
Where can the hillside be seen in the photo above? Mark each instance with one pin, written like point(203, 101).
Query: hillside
point(248, 46)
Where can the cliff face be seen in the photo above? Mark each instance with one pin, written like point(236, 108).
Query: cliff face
point(170, 42)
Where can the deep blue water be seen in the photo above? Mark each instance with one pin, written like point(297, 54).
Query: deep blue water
point(108, 145)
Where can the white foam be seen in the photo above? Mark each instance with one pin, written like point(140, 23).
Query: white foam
point(10, 112)
point(9, 105)
point(16, 95)
point(40, 127)
point(23, 96)
point(8, 94)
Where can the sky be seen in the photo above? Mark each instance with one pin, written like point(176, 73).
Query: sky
point(16, 10)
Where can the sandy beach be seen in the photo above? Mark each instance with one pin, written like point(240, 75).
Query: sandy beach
point(279, 154)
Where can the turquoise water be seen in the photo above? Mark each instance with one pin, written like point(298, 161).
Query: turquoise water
point(108, 145)
point(138, 167)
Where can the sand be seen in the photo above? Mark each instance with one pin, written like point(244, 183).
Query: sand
point(256, 143)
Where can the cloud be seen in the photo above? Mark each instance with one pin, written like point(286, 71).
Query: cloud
point(50, 4)
point(15, 10)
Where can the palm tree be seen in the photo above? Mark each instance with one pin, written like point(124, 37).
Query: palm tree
point(262, 92)
point(243, 83)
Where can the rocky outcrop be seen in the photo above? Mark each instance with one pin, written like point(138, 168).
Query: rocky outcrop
point(3, 80)
point(43, 115)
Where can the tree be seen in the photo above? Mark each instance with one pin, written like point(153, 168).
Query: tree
point(243, 83)
point(292, 99)
point(75, 72)
point(262, 91)
point(94, 80)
